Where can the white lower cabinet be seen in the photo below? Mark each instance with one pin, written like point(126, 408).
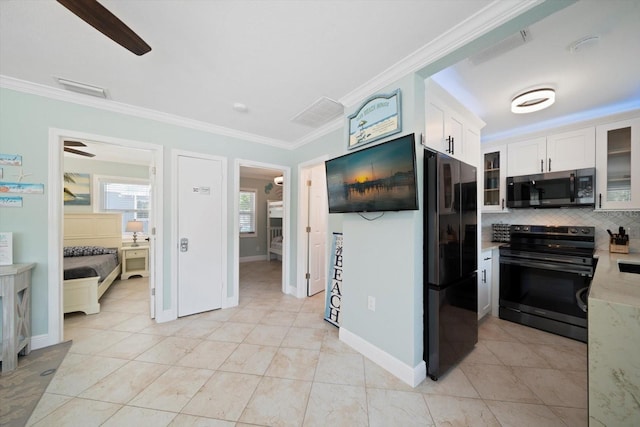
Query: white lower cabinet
point(485, 281)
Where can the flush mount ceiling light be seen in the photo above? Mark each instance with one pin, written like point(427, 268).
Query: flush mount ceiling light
point(82, 88)
point(533, 100)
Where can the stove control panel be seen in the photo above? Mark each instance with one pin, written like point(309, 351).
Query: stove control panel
point(554, 230)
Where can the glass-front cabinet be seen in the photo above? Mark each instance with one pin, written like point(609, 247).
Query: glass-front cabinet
point(618, 165)
point(494, 177)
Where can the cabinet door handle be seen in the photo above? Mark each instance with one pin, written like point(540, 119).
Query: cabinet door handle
point(484, 276)
point(453, 145)
point(549, 165)
point(600, 200)
point(503, 203)
point(541, 165)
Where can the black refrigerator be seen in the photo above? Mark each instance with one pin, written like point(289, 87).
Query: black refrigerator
point(450, 262)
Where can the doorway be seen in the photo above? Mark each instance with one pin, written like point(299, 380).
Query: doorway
point(55, 234)
point(262, 218)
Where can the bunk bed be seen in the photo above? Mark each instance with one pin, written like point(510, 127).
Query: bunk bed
point(92, 259)
point(275, 211)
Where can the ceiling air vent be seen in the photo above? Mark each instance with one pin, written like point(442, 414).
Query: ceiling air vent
point(319, 113)
point(510, 43)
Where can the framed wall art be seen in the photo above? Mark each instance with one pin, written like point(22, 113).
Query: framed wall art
point(377, 118)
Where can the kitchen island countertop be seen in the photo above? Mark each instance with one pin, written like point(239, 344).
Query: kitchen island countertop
point(610, 285)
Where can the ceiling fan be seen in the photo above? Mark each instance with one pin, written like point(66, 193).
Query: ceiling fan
point(99, 17)
point(68, 144)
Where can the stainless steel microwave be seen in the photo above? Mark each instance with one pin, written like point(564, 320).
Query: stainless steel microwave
point(552, 190)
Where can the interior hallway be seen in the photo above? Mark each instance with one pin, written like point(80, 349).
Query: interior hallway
point(274, 361)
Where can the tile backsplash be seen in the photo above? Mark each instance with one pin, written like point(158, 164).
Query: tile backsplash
point(601, 220)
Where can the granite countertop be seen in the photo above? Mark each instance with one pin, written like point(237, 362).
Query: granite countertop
point(609, 284)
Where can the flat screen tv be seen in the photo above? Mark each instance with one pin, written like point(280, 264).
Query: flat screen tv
point(376, 179)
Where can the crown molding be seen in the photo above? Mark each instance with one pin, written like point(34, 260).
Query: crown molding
point(487, 19)
point(131, 110)
point(333, 125)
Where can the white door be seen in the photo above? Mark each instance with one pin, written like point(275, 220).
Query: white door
point(316, 229)
point(199, 235)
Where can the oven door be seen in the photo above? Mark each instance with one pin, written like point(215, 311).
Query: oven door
point(544, 288)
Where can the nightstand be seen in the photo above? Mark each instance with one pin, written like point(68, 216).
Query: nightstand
point(135, 261)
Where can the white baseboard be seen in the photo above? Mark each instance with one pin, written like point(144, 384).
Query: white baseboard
point(410, 375)
point(41, 341)
point(253, 258)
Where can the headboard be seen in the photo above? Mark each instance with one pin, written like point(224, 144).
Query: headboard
point(93, 229)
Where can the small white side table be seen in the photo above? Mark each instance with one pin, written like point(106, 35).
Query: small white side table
point(15, 291)
point(135, 261)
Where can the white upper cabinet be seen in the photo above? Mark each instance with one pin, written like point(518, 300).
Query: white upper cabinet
point(559, 152)
point(449, 127)
point(526, 157)
point(571, 150)
point(618, 165)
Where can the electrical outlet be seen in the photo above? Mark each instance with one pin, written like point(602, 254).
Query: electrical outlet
point(371, 303)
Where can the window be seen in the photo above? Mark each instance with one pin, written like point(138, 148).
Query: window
point(247, 208)
point(128, 196)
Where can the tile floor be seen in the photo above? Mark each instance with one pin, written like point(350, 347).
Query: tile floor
point(273, 361)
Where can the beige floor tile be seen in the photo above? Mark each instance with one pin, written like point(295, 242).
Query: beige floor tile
point(132, 346)
point(169, 350)
point(98, 342)
point(377, 377)
point(332, 344)
point(482, 355)
point(184, 420)
point(336, 405)
point(106, 319)
point(199, 328)
point(220, 314)
point(136, 376)
point(78, 372)
point(135, 324)
point(167, 328)
point(249, 359)
point(173, 389)
point(460, 412)
point(309, 320)
point(346, 368)
point(294, 363)
point(279, 318)
point(267, 335)
point(523, 414)
point(48, 403)
point(223, 397)
point(556, 387)
point(490, 329)
point(278, 402)
point(453, 383)
point(232, 332)
point(562, 357)
point(208, 355)
point(248, 315)
point(516, 354)
point(499, 383)
point(572, 417)
point(397, 408)
point(307, 338)
point(80, 412)
point(140, 417)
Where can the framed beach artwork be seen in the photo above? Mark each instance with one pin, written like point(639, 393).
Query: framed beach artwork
point(11, 159)
point(77, 189)
point(10, 201)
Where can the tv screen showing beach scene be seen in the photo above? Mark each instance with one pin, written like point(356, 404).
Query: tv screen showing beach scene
point(376, 179)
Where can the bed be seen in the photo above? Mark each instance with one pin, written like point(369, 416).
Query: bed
point(92, 261)
point(275, 211)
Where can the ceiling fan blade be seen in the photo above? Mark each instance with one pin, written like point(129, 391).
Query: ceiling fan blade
point(78, 152)
point(74, 144)
point(99, 17)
